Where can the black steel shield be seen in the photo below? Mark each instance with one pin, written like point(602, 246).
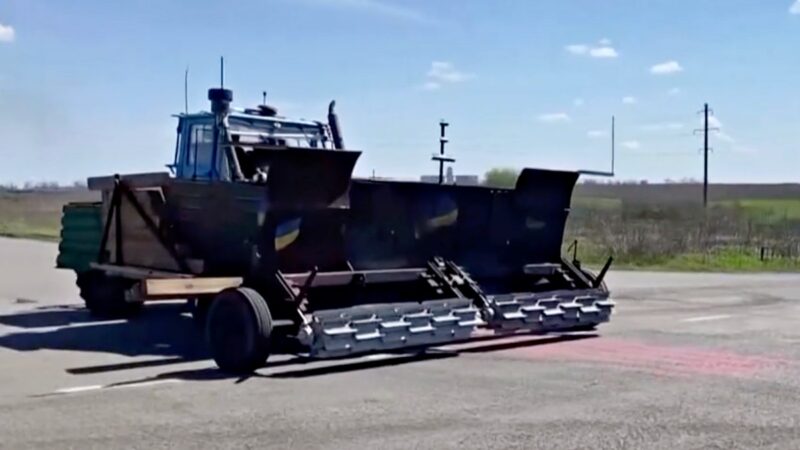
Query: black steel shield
point(491, 232)
point(303, 179)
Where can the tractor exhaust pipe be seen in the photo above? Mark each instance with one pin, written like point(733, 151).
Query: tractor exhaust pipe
point(333, 123)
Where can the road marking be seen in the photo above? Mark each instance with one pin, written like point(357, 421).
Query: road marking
point(97, 387)
point(148, 383)
point(72, 390)
point(378, 356)
point(707, 318)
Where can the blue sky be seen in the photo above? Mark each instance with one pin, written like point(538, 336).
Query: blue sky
point(87, 86)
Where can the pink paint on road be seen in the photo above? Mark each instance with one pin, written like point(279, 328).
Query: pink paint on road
point(653, 358)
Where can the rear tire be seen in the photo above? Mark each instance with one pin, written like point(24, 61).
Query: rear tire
point(238, 330)
point(104, 296)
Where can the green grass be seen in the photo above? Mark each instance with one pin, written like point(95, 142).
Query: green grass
point(603, 203)
point(766, 210)
point(762, 210)
point(719, 261)
point(21, 229)
point(35, 214)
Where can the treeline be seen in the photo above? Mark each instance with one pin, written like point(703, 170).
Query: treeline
point(42, 186)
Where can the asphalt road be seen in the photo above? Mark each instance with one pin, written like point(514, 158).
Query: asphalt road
point(688, 361)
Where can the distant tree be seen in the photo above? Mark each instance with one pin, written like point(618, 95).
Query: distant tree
point(501, 177)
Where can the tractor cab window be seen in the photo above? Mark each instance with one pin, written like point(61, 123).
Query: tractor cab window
point(277, 134)
point(199, 151)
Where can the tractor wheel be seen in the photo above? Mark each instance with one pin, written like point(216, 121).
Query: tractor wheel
point(104, 296)
point(238, 330)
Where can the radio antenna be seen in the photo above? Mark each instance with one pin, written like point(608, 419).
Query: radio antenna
point(612, 145)
point(186, 91)
point(600, 173)
point(221, 72)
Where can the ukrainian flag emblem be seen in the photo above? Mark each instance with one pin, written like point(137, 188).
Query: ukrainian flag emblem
point(442, 213)
point(286, 233)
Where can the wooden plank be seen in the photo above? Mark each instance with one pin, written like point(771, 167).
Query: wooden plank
point(155, 288)
point(134, 180)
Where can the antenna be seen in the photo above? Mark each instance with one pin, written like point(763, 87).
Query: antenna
point(221, 72)
point(613, 148)
point(264, 97)
point(186, 91)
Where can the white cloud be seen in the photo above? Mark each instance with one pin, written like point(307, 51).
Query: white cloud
point(442, 73)
point(795, 8)
point(554, 117)
point(577, 49)
point(631, 145)
point(674, 91)
point(713, 122)
point(378, 7)
point(662, 126)
point(445, 72)
point(746, 150)
point(725, 137)
point(596, 134)
point(7, 33)
point(666, 68)
point(603, 52)
point(629, 100)
point(578, 102)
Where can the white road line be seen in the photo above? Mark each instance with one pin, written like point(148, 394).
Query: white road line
point(148, 383)
point(707, 318)
point(97, 387)
point(72, 390)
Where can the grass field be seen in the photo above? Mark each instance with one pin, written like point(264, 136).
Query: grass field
point(767, 210)
point(725, 260)
point(674, 232)
point(36, 214)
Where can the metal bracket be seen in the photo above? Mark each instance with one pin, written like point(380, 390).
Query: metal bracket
point(115, 210)
point(599, 280)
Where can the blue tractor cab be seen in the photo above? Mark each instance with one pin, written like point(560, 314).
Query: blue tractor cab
point(221, 144)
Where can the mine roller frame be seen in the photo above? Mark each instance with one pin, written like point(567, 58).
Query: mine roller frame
point(280, 250)
point(246, 319)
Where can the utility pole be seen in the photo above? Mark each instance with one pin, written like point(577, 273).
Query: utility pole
point(441, 158)
point(706, 111)
point(705, 155)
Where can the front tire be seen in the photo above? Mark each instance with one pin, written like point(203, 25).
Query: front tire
point(238, 330)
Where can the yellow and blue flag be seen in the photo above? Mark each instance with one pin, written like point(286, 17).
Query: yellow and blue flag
point(286, 233)
point(443, 212)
